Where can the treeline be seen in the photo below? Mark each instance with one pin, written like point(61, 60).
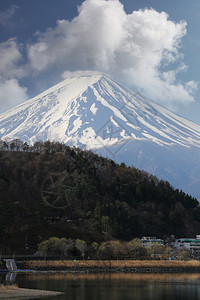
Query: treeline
point(134, 249)
point(37, 147)
point(75, 248)
point(50, 189)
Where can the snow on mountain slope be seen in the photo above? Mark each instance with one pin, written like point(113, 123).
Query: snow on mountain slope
point(93, 111)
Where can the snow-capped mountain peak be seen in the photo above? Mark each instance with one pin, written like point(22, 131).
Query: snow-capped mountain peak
point(92, 110)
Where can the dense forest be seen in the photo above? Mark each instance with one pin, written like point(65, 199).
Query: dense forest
point(50, 189)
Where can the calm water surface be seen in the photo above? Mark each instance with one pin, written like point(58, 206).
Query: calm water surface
point(116, 286)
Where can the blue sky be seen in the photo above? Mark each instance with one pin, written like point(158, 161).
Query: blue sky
point(151, 46)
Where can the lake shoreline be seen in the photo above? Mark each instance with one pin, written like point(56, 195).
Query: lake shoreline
point(16, 292)
point(115, 266)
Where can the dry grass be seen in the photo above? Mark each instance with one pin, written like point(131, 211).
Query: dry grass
point(69, 264)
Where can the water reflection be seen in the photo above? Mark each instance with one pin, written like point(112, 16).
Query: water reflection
point(8, 278)
point(117, 286)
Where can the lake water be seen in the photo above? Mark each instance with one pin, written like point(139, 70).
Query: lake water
point(116, 286)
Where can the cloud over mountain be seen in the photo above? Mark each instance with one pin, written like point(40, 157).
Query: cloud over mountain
point(139, 47)
point(11, 93)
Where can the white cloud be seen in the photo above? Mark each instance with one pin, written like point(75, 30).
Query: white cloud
point(138, 47)
point(11, 94)
point(192, 86)
point(5, 16)
point(90, 40)
point(11, 70)
point(10, 59)
point(67, 74)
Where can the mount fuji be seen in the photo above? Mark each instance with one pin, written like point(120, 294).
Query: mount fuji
point(94, 112)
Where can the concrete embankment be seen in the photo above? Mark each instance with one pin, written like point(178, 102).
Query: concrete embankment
point(115, 266)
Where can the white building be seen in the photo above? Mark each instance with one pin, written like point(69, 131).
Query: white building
point(148, 239)
point(191, 244)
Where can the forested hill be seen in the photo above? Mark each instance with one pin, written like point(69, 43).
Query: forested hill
point(54, 190)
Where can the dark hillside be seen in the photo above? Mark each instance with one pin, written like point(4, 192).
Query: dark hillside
point(54, 190)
